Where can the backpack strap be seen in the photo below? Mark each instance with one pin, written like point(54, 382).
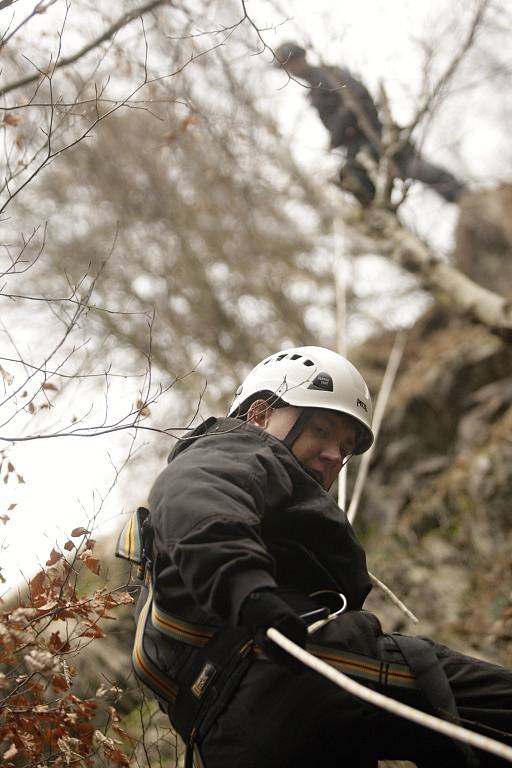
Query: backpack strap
point(205, 683)
point(135, 542)
point(144, 667)
point(209, 676)
point(432, 681)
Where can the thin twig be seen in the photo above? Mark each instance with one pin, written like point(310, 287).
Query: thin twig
point(438, 90)
point(125, 19)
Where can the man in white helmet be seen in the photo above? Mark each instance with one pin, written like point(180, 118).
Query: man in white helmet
point(244, 535)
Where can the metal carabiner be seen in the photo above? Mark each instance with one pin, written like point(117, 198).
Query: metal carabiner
point(334, 611)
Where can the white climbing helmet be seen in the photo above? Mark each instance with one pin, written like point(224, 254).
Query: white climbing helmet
point(312, 377)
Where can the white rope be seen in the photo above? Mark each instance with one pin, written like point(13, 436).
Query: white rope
point(394, 599)
point(380, 406)
point(384, 702)
point(341, 285)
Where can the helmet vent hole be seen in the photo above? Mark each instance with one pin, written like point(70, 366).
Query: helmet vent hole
point(308, 362)
point(295, 357)
point(280, 357)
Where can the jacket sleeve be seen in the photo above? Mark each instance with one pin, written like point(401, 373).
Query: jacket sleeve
point(207, 509)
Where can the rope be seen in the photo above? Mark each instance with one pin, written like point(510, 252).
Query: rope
point(385, 390)
point(394, 599)
point(476, 740)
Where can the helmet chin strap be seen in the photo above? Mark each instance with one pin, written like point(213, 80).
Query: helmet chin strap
point(295, 432)
point(297, 428)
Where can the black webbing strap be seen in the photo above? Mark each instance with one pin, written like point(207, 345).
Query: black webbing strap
point(207, 683)
point(433, 683)
point(297, 428)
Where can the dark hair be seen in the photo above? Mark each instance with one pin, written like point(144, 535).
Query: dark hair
point(288, 51)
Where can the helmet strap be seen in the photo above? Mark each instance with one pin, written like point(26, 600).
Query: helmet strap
point(297, 428)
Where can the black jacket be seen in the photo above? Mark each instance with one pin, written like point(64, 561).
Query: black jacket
point(340, 100)
point(234, 511)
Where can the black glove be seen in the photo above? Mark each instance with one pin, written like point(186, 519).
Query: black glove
point(263, 609)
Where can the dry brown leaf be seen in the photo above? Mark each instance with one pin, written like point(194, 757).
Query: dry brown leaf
point(79, 532)
point(59, 683)
point(6, 376)
point(57, 644)
point(36, 584)
point(117, 757)
point(93, 565)
point(54, 557)
point(94, 631)
point(50, 385)
point(11, 119)
point(142, 408)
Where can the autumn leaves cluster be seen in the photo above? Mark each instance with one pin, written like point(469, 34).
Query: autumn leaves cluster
point(42, 719)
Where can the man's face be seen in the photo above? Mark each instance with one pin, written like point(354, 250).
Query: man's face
point(324, 444)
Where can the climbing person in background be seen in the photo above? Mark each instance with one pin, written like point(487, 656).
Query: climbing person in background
point(348, 111)
point(241, 535)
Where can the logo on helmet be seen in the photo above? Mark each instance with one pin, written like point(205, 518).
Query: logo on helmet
point(363, 405)
point(322, 381)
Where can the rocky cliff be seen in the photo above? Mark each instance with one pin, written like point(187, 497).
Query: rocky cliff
point(436, 516)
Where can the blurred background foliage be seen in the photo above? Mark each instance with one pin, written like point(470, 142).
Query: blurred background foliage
point(169, 217)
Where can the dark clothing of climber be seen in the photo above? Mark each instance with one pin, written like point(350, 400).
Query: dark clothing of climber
point(244, 535)
point(348, 111)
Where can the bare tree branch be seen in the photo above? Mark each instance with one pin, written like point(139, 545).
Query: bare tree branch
point(40, 7)
point(109, 32)
point(407, 250)
point(438, 90)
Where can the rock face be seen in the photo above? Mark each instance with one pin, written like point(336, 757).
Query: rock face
point(483, 249)
point(436, 517)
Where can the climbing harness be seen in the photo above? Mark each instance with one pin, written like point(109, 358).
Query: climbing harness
point(349, 685)
point(217, 658)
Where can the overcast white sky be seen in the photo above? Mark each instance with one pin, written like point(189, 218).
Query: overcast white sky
point(67, 478)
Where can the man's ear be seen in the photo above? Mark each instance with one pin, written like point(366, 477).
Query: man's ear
point(258, 413)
